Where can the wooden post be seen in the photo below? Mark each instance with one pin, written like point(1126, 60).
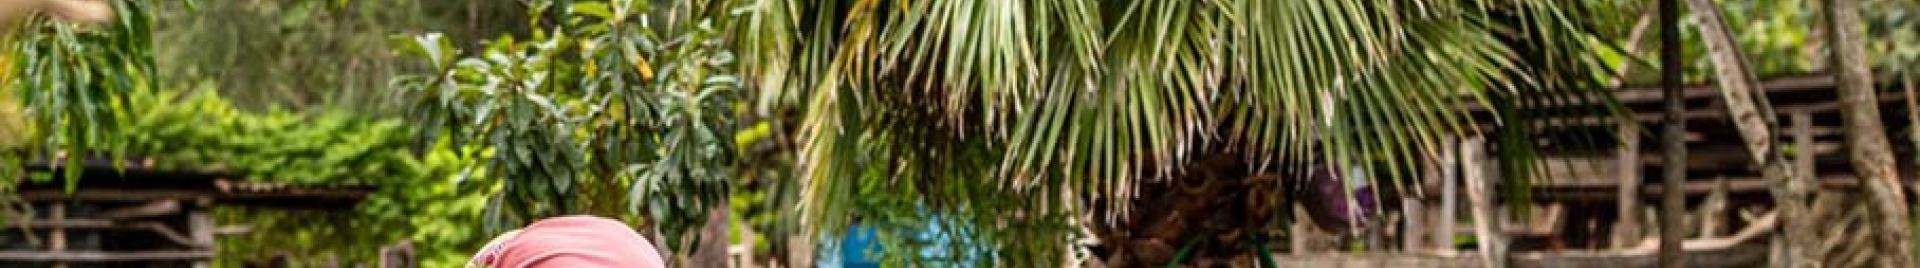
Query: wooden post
point(1672, 139)
point(1413, 229)
point(1493, 244)
point(1297, 233)
point(800, 251)
point(1714, 210)
point(201, 225)
point(1449, 196)
point(1627, 232)
point(57, 239)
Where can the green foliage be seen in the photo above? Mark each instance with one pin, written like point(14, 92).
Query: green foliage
point(437, 215)
point(417, 198)
point(602, 96)
point(73, 79)
point(202, 131)
point(1018, 120)
point(308, 54)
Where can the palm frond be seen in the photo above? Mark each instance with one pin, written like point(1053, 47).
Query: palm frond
point(1038, 111)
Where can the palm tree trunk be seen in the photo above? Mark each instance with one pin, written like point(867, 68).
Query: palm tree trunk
point(1754, 117)
point(1866, 138)
point(1673, 137)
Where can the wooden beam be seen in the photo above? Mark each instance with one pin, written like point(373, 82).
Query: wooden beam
point(69, 223)
point(150, 209)
point(85, 194)
point(1650, 94)
point(1702, 113)
point(101, 256)
point(60, 225)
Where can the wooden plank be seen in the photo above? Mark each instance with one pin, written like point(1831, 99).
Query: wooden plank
point(102, 256)
point(67, 223)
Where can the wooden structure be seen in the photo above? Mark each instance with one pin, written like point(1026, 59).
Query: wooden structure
point(1591, 196)
point(140, 217)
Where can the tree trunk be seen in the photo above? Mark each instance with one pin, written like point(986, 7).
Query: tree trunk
point(1754, 117)
point(712, 251)
point(1867, 144)
point(1672, 138)
point(1216, 210)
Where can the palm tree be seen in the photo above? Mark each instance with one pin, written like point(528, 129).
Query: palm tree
point(1022, 122)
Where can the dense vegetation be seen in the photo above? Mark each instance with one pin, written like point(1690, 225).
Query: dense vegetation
point(1014, 128)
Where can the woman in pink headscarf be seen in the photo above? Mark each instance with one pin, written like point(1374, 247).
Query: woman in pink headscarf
point(569, 241)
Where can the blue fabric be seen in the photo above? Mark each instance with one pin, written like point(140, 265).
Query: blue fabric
point(854, 250)
point(859, 248)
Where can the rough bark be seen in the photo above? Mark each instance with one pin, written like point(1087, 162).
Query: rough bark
point(1672, 138)
point(1217, 206)
point(1751, 113)
point(1867, 145)
point(712, 251)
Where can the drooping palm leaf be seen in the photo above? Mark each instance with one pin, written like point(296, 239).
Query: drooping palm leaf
point(73, 79)
point(1026, 114)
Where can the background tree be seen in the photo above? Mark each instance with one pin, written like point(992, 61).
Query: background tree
point(618, 108)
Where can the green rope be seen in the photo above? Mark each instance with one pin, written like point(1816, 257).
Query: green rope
point(1181, 256)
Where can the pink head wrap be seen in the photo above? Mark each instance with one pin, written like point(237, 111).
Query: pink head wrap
point(570, 241)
